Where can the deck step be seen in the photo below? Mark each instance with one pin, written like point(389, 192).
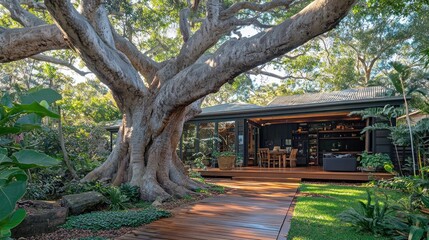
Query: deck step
point(268, 179)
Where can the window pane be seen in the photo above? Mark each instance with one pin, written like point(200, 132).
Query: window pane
point(207, 141)
point(226, 132)
point(189, 141)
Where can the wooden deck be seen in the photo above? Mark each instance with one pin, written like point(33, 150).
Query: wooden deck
point(251, 210)
point(313, 173)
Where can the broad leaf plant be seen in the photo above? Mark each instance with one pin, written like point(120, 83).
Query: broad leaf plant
point(15, 119)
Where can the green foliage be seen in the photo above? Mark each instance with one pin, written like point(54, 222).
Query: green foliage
point(88, 103)
point(370, 217)
point(377, 160)
point(87, 146)
point(385, 113)
point(13, 178)
point(114, 219)
point(405, 220)
point(198, 160)
point(224, 154)
point(131, 192)
point(117, 200)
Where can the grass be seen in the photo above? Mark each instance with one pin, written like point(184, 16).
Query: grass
point(315, 215)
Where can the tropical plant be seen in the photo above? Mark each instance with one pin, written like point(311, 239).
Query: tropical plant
point(398, 78)
point(117, 200)
point(420, 132)
point(15, 119)
point(372, 216)
point(385, 115)
point(375, 161)
point(131, 192)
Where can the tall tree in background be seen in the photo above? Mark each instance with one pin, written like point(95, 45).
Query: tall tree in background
point(156, 98)
point(357, 53)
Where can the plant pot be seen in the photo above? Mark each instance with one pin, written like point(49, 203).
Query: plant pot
point(226, 162)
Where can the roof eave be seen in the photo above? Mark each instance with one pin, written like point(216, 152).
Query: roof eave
point(303, 108)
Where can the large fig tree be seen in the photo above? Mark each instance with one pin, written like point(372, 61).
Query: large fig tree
point(156, 98)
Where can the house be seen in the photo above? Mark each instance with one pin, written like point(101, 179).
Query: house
point(315, 123)
point(415, 117)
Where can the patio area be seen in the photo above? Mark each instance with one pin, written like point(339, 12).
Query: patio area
point(250, 210)
point(289, 174)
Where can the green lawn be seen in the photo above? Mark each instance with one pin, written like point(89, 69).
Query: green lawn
point(315, 216)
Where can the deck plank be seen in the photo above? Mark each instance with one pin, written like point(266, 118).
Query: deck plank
point(251, 210)
point(282, 174)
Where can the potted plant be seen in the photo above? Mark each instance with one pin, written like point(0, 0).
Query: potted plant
point(374, 162)
point(225, 160)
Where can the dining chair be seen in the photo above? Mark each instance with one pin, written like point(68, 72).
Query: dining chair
point(292, 157)
point(266, 157)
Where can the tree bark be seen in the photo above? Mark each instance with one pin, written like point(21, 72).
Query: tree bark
point(147, 158)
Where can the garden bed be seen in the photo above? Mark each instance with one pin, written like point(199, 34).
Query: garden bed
point(118, 228)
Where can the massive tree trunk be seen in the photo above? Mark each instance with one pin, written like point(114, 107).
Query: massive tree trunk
point(146, 157)
point(157, 98)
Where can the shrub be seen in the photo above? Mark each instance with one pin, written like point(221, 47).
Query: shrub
point(375, 161)
point(131, 192)
point(371, 217)
point(114, 219)
point(117, 200)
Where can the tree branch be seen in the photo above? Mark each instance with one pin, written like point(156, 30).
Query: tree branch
point(235, 8)
point(21, 15)
point(213, 10)
point(34, 4)
point(295, 56)
point(96, 14)
point(109, 65)
point(19, 43)
point(58, 61)
point(184, 25)
point(257, 71)
point(145, 65)
point(237, 56)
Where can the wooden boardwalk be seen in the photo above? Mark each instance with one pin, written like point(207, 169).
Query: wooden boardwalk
point(251, 210)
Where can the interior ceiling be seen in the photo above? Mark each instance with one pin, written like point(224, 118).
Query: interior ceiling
point(313, 117)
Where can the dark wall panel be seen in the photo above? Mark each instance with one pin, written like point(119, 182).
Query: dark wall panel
point(274, 135)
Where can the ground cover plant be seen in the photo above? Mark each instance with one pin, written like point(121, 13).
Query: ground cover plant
point(317, 208)
point(114, 219)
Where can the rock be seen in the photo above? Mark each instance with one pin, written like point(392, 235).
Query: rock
point(42, 217)
point(157, 202)
point(83, 202)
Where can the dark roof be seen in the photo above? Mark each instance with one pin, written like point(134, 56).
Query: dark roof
point(284, 110)
point(328, 97)
point(346, 100)
point(229, 107)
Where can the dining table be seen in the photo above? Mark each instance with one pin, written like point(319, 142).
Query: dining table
point(283, 155)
